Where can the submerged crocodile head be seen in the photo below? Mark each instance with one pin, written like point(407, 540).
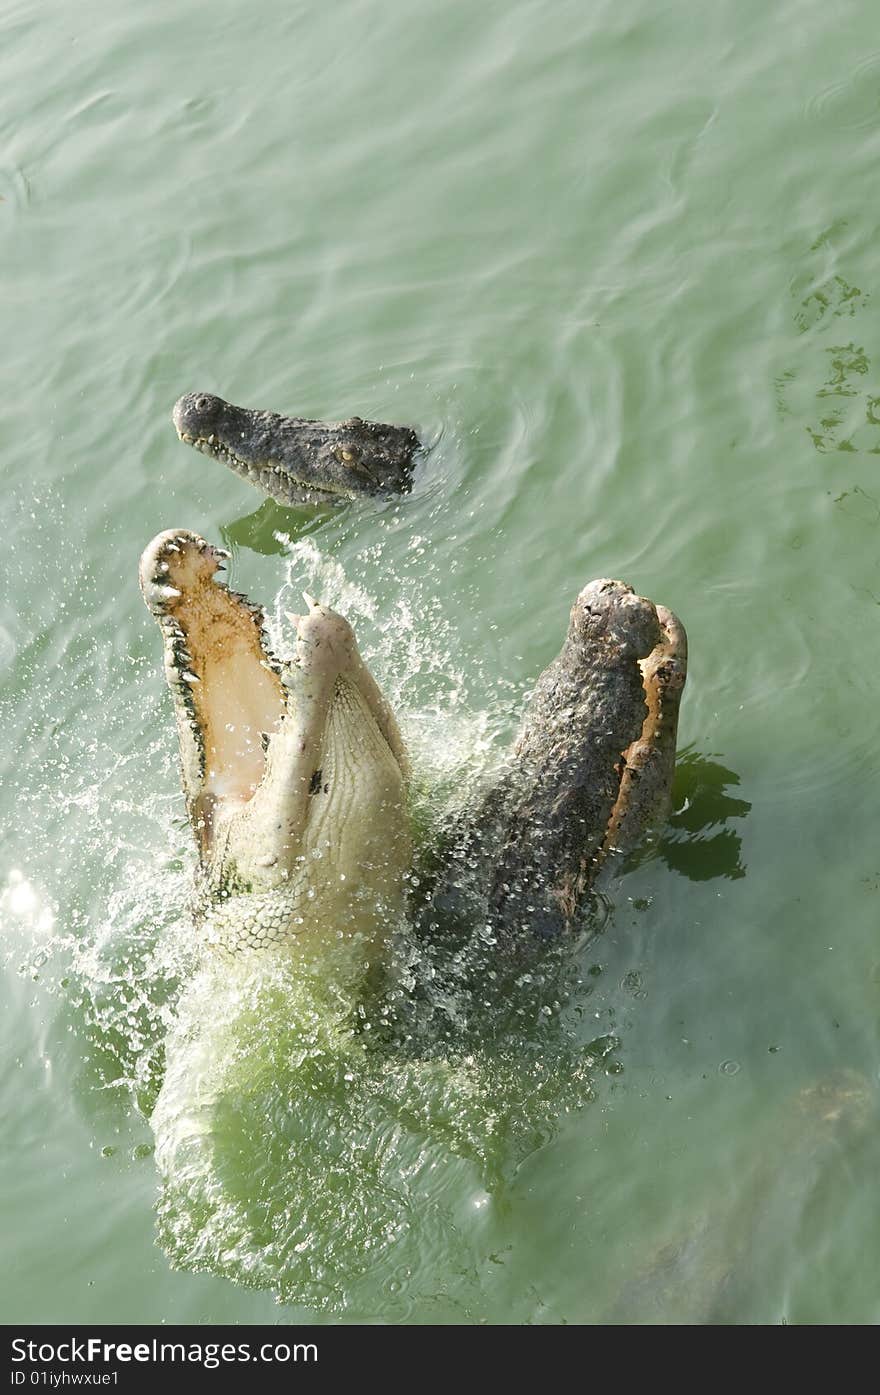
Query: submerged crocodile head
point(294, 771)
point(296, 461)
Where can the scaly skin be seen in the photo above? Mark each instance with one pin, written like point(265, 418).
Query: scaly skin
point(531, 851)
point(296, 461)
point(294, 771)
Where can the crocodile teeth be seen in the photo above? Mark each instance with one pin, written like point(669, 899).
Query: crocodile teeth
point(310, 601)
point(190, 677)
point(167, 593)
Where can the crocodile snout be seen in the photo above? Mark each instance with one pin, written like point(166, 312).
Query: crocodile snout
point(195, 413)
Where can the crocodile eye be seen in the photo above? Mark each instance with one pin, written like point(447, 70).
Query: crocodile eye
point(347, 457)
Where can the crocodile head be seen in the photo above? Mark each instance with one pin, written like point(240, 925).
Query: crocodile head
point(294, 770)
point(296, 461)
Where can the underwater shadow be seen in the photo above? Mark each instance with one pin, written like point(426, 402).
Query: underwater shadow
point(731, 1262)
point(269, 529)
point(702, 803)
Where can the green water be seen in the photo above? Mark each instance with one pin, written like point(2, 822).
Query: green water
point(619, 263)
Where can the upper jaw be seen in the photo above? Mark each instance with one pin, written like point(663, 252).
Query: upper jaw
point(610, 612)
point(173, 559)
point(294, 459)
point(251, 726)
point(278, 479)
point(215, 445)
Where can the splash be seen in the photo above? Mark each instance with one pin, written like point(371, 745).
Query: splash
point(323, 1130)
point(312, 1137)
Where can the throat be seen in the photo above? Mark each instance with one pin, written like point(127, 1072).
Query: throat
point(356, 795)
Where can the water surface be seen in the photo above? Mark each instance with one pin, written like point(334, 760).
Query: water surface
point(618, 263)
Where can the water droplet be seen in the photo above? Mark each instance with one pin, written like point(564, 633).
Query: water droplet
point(729, 1067)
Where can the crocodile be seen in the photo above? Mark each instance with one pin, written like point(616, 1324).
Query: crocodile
point(294, 771)
point(295, 774)
point(297, 461)
point(590, 773)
